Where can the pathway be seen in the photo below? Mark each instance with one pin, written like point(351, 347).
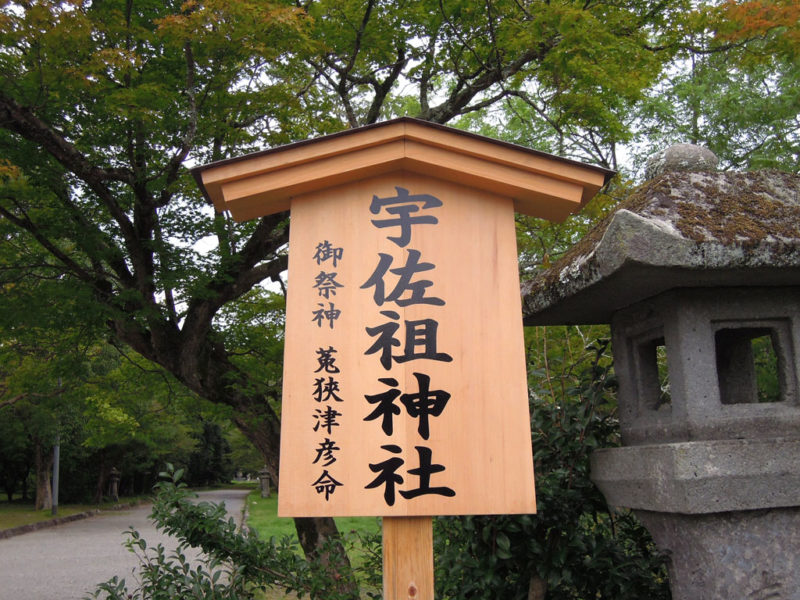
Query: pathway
point(67, 561)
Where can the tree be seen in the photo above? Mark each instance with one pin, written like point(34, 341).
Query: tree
point(734, 87)
point(16, 454)
point(210, 463)
point(111, 98)
point(40, 363)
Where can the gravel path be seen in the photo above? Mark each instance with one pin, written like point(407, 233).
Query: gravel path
point(67, 561)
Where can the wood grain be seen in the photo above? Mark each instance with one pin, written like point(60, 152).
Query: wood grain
point(482, 437)
point(408, 558)
point(541, 185)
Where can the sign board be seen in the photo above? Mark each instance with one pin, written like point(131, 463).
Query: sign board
point(405, 389)
point(404, 374)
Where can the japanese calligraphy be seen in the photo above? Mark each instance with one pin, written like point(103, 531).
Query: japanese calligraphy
point(329, 314)
point(326, 419)
point(419, 340)
point(325, 484)
point(420, 405)
point(326, 360)
point(325, 251)
point(386, 407)
point(425, 403)
point(325, 387)
point(388, 477)
point(325, 452)
point(326, 390)
point(395, 341)
point(326, 284)
point(403, 206)
point(416, 289)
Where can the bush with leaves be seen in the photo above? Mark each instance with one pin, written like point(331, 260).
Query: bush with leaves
point(574, 548)
point(236, 564)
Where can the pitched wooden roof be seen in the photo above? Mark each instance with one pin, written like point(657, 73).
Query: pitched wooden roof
point(262, 183)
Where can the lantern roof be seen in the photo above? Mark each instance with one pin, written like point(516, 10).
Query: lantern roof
point(679, 230)
point(262, 183)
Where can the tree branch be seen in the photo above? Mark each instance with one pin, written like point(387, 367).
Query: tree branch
point(25, 223)
point(172, 169)
point(382, 89)
point(460, 99)
point(237, 276)
point(22, 121)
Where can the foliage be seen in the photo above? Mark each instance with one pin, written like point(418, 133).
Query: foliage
point(743, 110)
point(210, 462)
point(734, 87)
point(245, 458)
point(16, 453)
point(166, 575)
point(112, 409)
point(574, 547)
point(540, 242)
point(239, 562)
point(778, 19)
point(362, 538)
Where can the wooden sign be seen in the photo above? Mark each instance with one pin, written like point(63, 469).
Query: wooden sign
point(405, 388)
point(404, 376)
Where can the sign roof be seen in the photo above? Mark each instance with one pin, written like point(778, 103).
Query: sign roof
point(262, 183)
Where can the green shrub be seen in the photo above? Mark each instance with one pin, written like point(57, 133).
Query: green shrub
point(239, 563)
point(574, 548)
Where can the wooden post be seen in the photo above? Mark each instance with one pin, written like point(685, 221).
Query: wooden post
point(408, 558)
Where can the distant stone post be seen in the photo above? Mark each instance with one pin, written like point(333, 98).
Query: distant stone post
point(113, 484)
point(263, 478)
point(699, 275)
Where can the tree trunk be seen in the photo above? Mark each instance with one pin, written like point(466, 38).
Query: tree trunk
point(44, 462)
point(319, 537)
point(10, 489)
point(25, 483)
point(537, 589)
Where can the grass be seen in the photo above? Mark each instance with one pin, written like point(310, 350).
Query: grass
point(16, 515)
point(263, 517)
point(20, 512)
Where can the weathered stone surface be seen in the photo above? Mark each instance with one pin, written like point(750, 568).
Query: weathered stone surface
point(751, 555)
point(679, 230)
point(680, 157)
point(700, 477)
point(687, 322)
point(696, 267)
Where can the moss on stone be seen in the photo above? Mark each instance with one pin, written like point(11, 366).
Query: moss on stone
point(736, 212)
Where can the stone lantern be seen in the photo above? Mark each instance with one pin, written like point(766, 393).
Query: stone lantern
point(264, 479)
point(113, 484)
point(698, 274)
